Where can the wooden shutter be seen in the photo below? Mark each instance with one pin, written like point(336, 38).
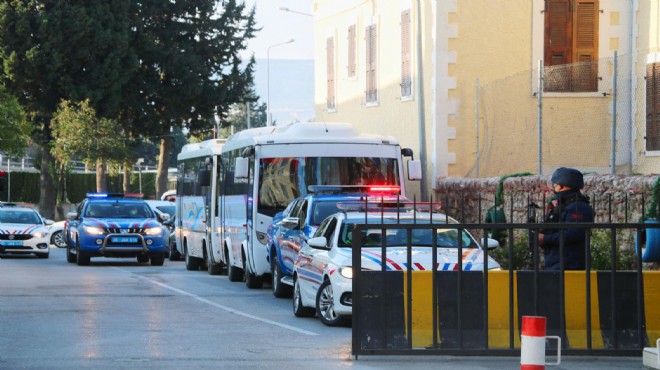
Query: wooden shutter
point(558, 32)
point(352, 63)
point(406, 78)
point(585, 45)
point(371, 43)
point(330, 54)
point(653, 106)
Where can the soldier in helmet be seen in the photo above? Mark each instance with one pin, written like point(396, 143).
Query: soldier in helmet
point(570, 206)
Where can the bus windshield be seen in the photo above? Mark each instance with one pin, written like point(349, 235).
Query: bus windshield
point(283, 179)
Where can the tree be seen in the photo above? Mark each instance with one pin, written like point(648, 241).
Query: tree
point(52, 51)
point(101, 142)
point(237, 118)
point(14, 126)
point(190, 68)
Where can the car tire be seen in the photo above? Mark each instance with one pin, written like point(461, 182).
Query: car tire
point(325, 309)
point(280, 290)
point(211, 267)
point(82, 259)
point(70, 257)
point(143, 258)
point(157, 260)
point(192, 263)
point(42, 255)
point(298, 309)
point(58, 239)
point(252, 281)
point(174, 253)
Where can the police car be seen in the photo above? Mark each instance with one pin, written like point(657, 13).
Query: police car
point(300, 219)
point(23, 231)
point(323, 271)
point(115, 225)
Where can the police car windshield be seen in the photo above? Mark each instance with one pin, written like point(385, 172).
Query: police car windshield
point(397, 237)
point(118, 210)
point(19, 217)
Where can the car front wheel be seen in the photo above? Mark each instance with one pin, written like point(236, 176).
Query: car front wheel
point(279, 290)
point(325, 306)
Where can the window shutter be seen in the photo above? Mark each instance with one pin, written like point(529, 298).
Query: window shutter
point(371, 42)
point(653, 106)
point(585, 45)
point(558, 32)
point(406, 80)
point(352, 65)
point(558, 45)
point(330, 63)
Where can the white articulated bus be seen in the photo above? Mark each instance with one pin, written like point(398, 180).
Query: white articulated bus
point(257, 172)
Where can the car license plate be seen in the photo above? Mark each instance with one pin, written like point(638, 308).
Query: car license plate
point(11, 243)
point(124, 239)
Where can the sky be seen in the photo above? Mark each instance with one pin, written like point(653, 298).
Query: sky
point(278, 26)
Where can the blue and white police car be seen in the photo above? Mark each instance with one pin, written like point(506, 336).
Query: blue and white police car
point(323, 272)
point(300, 219)
point(115, 225)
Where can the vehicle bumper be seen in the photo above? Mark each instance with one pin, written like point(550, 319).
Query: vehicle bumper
point(102, 245)
point(342, 290)
point(38, 246)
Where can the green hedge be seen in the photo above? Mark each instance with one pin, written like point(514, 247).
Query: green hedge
point(25, 186)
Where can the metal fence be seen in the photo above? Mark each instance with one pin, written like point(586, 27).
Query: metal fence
point(527, 123)
point(608, 312)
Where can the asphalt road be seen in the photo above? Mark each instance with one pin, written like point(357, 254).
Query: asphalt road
point(118, 314)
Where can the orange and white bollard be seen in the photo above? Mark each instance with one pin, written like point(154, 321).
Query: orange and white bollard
point(532, 344)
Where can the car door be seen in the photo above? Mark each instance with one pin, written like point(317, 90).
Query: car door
point(293, 238)
point(312, 261)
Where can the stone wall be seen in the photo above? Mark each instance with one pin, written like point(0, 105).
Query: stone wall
point(468, 199)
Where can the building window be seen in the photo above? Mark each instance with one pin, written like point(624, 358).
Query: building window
point(330, 62)
point(571, 46)
point(352, 57)
point(371, 64)
point(653, 106)
point(406, 68)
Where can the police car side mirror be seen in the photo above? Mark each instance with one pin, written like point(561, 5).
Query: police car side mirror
point(320, 242)
point(72, 215)
point(164, 217)
point(492, 243)
point(48, 222)
point(290, 222)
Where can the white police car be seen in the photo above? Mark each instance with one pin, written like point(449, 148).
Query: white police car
point(23, 231)
point(323, 271)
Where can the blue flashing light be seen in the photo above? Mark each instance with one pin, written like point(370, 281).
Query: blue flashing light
point(97, 195)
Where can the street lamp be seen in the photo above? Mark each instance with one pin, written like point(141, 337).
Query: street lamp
point(284, 8)
point(139, 164)
point(268, 117)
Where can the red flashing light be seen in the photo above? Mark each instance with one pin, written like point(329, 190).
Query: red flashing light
point(385, 189)
point(3, 173)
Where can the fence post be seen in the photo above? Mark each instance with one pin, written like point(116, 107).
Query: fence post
point(540, 118)
point(613, 138)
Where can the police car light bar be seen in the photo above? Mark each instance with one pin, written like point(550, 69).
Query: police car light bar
point(367, 189)
point(389, 205)
point(114, 195)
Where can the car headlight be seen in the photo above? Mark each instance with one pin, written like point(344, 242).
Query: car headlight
point(346, 272)
point(93, 230)
point(40, 234)
point(153, 231)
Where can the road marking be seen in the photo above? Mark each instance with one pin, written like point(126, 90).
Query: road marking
point(225, 308)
